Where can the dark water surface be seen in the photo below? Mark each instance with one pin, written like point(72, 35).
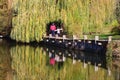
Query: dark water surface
point(41, 62)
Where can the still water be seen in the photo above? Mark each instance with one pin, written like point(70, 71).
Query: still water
point(40, 62)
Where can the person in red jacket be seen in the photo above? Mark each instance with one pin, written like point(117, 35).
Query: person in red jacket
point(53, 29)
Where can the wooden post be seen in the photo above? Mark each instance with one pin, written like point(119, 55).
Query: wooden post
point(64, 58)
point(96, 38)
point(96, 67)
point(109, 71)
point(109, 39)
point(85, 65)
point(56, 36)
point(74, 37)
point(50, 35)
point(85, 37)
point(74, 61)
point(64, 37)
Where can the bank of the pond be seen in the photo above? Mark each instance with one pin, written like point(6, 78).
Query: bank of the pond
point(115, 47)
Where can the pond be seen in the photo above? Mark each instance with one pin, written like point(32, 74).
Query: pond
point(42, 62)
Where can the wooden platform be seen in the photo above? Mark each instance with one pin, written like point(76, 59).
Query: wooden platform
point(98, 46)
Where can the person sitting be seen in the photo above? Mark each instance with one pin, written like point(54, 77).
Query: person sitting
point(59, 31)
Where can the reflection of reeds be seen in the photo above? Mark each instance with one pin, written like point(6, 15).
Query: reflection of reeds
point(5, 61)
point(78, 16)
point(32, 64)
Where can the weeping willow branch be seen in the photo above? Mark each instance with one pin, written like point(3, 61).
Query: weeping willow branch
point(78, 16)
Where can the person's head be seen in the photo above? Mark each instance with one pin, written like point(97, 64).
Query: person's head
point(53, 23)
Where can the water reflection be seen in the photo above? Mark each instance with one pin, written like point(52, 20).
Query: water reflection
point(48, 63)
point(25, 62)
point(60, 55)
point(6, 72)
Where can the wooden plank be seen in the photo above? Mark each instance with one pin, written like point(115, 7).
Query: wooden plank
point(74, 39)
